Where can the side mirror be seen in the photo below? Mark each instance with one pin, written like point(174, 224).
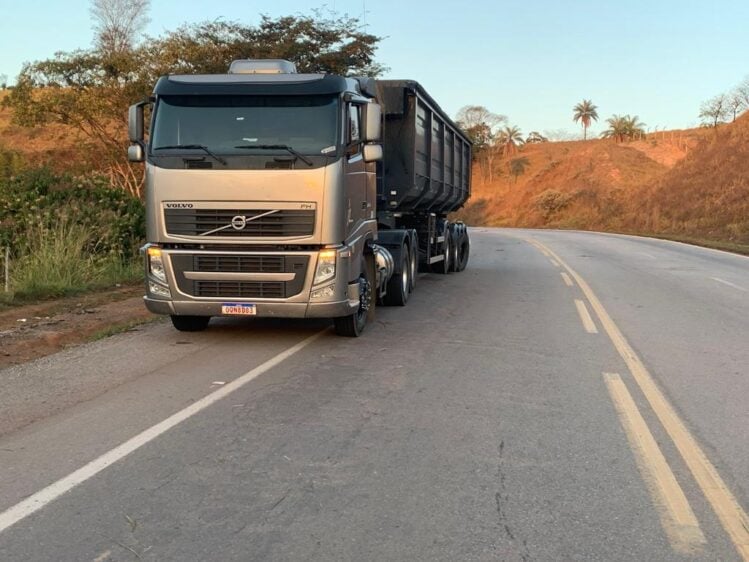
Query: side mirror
point(372, 119)
point(372, 152)
point(135, 153)
point(135, 126)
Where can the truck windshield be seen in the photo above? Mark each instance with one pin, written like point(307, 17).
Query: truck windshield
point(233, 124)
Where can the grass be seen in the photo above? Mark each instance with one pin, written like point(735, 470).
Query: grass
point(58, 261)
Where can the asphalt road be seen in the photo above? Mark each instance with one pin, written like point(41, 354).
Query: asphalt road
point(570, 396)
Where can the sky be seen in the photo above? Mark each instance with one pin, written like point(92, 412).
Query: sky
point(530, 60)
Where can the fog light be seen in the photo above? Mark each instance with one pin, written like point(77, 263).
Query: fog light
point(159, 290)
point(324, 293)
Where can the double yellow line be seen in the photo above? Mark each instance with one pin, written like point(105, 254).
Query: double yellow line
point(681, 528)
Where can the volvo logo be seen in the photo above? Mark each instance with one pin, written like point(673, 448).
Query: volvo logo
point(238, 222)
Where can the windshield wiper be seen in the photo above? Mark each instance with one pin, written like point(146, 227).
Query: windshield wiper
point(278, 147)
point(196, 147)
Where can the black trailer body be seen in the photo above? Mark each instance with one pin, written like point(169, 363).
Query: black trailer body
point(424, 175)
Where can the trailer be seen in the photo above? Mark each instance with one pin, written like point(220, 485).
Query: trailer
point(273, 193)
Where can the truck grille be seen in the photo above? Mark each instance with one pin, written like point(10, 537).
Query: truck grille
point(241, 289)
point(198, 222)
point(238, 263)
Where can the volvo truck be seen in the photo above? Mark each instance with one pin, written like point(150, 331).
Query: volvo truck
point(272, 193)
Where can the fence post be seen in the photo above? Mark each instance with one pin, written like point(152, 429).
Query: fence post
point(6, 268)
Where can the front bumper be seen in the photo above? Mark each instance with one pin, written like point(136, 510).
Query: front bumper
point(178, 265)
point(264, 309)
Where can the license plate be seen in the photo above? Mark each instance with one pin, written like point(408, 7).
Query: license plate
point(238, 309)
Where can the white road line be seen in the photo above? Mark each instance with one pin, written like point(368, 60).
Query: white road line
point(588, 323)
point(555, 263)
point(567, 280)
point(719, 280)
point(727, 508)
point(676, 514)
point(47, 495)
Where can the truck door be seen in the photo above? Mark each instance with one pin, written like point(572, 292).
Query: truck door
point(355, 173)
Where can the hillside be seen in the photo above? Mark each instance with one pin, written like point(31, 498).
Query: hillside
point(50, 145)
point(691, 183)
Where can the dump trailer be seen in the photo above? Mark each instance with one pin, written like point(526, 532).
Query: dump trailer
point(272, 193)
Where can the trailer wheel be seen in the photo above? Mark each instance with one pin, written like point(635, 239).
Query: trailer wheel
point(464, 249)
point(414, 263)
point(455, 248)
point(190, 323)
point(399, 286)
point(444, 266)
point(353, 325)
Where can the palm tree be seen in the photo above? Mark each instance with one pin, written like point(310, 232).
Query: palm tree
point(623, 127)
point(510, 137)
point(585, 112)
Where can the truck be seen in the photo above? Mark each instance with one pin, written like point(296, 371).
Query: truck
point(273, 193)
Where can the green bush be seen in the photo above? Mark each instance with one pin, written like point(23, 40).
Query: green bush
point(114, 219)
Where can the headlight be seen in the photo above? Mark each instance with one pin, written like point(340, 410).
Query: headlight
point(156, 264)
point(325, 266)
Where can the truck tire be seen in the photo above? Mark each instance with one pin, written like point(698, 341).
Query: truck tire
point(190, 323)
point(414, 262)
point(353, 325)
point(399, 286)
point(455, 247)
point(464, 250)
point(447, 253)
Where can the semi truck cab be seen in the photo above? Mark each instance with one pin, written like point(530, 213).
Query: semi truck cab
point(261, 193)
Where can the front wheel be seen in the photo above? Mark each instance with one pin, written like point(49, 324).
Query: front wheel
point(190, 323)
point(353, 325)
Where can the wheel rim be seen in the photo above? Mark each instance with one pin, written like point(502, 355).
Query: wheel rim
point(365, 298)
point(413, 269)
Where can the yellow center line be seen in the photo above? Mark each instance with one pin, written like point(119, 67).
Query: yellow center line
point(588, 323)
point(676, 514)
point(554, 263)
point(567, 280)
point(732, 516)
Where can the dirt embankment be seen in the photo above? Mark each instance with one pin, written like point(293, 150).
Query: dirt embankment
point(691, 183)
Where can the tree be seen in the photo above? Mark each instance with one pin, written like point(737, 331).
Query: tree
point(623, 127)
point(91, 90)
point(736, 104)
point(3, 81)
point(518, 166)
point(117, 23)
point(479, 124)
point(585, 112)
point(715, 110)
point(742, 92)
point(510, 138)
point(535, 137)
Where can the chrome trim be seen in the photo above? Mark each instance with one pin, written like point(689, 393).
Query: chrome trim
point(236, 276)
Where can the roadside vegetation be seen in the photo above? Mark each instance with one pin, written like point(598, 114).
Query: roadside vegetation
point(66, 234)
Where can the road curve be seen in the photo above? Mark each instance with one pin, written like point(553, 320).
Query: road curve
point(496, 417)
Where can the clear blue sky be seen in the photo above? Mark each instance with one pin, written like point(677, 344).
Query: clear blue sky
point(531, 60)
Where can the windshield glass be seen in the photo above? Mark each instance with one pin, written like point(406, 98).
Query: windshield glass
point(307, 124)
